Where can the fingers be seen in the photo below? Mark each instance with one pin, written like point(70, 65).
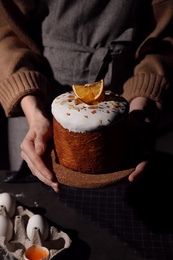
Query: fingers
point(33, 150)
point(140, 169)
point(40, 146)
point(39, 169)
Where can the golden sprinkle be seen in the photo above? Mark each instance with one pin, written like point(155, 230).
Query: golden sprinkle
point(92, 107)
point(62, 102)
point(73, 108)
point(94, 112)
point(70, 97)
point(77, 101)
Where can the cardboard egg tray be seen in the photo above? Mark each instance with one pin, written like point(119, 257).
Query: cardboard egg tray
point(56, 242)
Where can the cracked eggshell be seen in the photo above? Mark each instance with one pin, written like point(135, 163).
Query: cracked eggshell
point(6, 227)
point(37, 222)
point(8, 201)
point(36, 251)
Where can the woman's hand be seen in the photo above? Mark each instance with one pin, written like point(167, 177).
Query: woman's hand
point(141, 139)
point(35, 142)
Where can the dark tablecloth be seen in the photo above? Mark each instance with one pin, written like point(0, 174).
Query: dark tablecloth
point(139, 213)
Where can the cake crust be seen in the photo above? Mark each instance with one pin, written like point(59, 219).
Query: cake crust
point(74, 150)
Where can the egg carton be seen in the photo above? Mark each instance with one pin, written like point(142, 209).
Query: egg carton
point(56, 242)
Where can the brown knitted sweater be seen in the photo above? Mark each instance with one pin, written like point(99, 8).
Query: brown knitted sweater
point(21, 58)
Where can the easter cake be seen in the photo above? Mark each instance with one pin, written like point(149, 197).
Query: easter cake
point(89, 138)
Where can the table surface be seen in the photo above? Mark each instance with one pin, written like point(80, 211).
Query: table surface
point(118, 222)
point(88, 240)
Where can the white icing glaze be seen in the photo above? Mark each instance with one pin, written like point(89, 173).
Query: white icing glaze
point(80, 117)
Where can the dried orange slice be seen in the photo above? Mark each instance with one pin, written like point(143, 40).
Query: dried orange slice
point(90, 93)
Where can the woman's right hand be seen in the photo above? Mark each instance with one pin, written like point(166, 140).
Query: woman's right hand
point(34, 145)
point(141, 135)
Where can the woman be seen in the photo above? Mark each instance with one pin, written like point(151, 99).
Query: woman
point(46, 46)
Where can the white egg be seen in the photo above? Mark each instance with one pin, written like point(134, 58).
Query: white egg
point(37, 222)
point(9, 202)
point(6, 227)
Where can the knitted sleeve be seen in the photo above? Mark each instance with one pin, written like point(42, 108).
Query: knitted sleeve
point(20, 57)
point(153, 73)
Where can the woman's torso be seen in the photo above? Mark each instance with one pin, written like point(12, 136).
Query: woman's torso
point(81, 38)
